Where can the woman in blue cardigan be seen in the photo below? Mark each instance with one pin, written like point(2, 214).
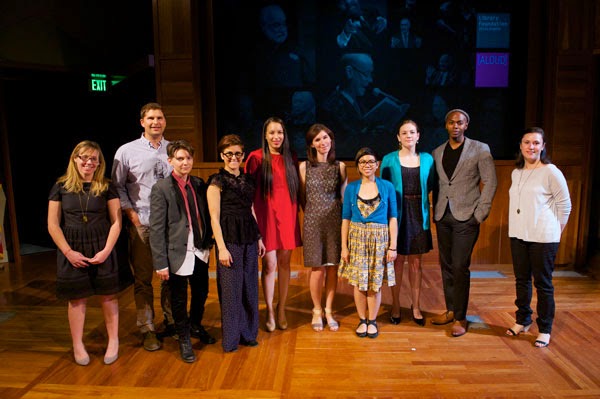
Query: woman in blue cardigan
point(369, 235)
point(412, 175)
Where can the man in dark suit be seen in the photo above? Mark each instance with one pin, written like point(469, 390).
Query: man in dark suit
point(405, 38)
point(180, 239)
point(462, 165)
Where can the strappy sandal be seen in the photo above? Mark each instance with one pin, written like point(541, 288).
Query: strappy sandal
point(542, 341)
point(360, 323)
point(317, 320)
point(376, 333)
point(333, 324)
point(517, 329)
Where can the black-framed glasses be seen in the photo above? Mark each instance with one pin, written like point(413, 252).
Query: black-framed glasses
point(85, 159)
point(370, 162)
point(229, 155)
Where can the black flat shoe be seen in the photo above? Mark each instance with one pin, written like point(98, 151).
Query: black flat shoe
point(203, 335)
point(395, 320)
point(362, 334)
point(420, 322)
point(376, 333)
point(250, 343)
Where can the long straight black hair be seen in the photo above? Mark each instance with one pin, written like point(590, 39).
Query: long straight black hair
point(291, 172)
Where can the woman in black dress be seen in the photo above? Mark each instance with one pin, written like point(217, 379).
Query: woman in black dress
point(84, 220)
point(230, 195)
point(411, 173)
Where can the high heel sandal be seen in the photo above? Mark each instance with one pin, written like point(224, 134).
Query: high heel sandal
point(542, 340)
point(372, 323)
point(317, 320)
point(517, 329)
point(333, 324)
point(360, 323)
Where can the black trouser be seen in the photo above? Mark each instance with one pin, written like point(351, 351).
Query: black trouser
point(534, 259)
point(456, 240)
point(199, 292)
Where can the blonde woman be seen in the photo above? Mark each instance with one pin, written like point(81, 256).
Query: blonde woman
point(84, 221)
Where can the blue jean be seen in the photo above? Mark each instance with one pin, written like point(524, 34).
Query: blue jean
point(534, 259)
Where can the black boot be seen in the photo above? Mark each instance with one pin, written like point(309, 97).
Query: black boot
point(186, 350)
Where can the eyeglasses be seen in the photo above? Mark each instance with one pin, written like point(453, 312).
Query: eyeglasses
point(365, 75)
point(369, 162)
point(229, 155)
point(86, 158)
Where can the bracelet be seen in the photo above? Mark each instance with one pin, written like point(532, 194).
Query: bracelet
point(391, 249)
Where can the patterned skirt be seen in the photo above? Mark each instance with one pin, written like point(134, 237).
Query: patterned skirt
point(367, 268)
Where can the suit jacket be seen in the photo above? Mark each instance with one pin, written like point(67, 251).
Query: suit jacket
point(169, 226)
point(397, 42)
point(461, 191)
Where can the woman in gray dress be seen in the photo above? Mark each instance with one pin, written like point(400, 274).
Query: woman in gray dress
point(323, 180)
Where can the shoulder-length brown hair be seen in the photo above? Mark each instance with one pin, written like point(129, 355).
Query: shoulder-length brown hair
point(291, 172)
point(311, 152)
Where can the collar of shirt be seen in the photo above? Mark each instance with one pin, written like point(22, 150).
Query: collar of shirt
point(149, 143)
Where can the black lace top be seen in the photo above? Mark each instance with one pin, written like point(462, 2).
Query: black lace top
point(237, 192)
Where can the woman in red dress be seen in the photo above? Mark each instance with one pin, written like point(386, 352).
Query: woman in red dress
point(275, 169)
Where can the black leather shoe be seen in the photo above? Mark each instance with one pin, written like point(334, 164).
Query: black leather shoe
point(250, 343)
point(168, 332)
point(186, 351)
point(420, 322)
point(203, 335)
point(395, 320)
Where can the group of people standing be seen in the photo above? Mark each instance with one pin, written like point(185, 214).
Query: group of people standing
point(363, 231)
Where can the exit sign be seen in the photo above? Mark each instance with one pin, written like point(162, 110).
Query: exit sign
point(98, 85)
point(102, 83)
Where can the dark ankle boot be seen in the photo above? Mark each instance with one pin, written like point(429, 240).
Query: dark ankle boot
point(186, 350)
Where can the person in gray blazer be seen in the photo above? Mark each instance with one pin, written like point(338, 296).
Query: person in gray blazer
point(461, 204)
point(180, 240)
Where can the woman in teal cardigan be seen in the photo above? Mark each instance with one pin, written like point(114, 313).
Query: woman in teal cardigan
point(412, 175)
point(369, 230)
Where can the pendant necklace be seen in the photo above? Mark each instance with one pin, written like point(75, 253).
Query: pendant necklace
point(520, 187)
point(84, 212)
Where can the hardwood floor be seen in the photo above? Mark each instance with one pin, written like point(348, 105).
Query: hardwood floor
point(405, 361)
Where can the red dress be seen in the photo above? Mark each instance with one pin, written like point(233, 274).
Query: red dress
point(277, 214)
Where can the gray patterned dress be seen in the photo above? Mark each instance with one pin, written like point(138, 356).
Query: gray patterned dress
point(322, 215)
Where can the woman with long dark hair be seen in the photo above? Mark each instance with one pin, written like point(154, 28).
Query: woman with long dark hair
point(275, 169)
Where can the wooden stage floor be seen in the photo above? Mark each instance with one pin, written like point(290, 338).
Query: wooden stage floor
point(405, 361)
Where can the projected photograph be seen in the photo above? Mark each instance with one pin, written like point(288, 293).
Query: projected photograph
point(363, 66)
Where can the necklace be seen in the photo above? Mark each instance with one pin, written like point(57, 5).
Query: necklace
point(87, 202)
point(520, 187)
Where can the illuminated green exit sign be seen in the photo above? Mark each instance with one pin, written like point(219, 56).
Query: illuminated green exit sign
point(100, 83)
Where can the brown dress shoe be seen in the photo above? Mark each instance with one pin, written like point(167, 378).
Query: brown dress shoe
point(150, 342)
point(459, 328)
point(444, 318)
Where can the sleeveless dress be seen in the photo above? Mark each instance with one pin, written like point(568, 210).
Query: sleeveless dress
point(277, 215)
point(88, 238)
point(323, 215)
point(412, 239)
